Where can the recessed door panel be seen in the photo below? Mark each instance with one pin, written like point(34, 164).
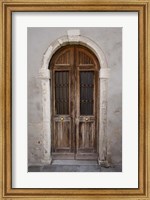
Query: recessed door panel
point(62, 135)
point(86, 136)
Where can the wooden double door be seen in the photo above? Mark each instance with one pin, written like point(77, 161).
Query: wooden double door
point(74, 103)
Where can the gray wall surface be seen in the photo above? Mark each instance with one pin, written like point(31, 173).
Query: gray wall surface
point(110, 41)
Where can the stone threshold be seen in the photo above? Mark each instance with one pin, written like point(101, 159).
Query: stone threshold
point(74, 162)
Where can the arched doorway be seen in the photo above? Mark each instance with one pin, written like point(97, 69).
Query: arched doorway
point(75, 103)
point(74, 37)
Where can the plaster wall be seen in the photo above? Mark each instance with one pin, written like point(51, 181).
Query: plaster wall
point(110, 41)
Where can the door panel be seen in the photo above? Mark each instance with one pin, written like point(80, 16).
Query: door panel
point(86, 127)
point(86, 136)
point(62, 140)
point(62, 118)
point(74, 103)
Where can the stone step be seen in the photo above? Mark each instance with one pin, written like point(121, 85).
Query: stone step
point(65, 168)
point(74, 162)
point(73, 168)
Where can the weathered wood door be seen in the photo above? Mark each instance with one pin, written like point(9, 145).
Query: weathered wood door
point(74, 97)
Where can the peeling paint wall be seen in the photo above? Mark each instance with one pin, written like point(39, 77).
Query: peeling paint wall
point(110, 41)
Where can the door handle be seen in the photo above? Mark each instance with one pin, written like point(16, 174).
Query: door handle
point(86, 119)
point(62, 119)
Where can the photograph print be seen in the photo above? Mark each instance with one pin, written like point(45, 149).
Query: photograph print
point(74, 78)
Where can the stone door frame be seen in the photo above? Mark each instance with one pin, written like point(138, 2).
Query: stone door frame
point(74, 37)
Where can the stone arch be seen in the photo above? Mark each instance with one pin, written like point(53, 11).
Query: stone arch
point(74, 37)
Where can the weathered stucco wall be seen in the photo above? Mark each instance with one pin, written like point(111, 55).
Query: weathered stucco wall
point(110, 41)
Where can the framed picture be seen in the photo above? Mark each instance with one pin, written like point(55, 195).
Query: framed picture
point(74, 104)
